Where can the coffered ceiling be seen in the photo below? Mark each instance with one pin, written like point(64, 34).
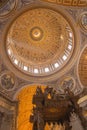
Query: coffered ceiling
point(39, 46)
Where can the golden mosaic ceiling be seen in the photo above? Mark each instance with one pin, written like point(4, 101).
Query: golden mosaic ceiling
point(82, 68)
point(79, 3)
point(39, 39)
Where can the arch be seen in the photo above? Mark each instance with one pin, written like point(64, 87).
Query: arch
point(26, 86)
point(24, 97)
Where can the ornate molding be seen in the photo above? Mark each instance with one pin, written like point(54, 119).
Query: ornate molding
point(8, 9)
point(7, 80)
point(26, 2)
point(52, 77)
point(78, 3)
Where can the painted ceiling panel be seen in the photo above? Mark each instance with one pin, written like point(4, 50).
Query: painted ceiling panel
point(82, 68)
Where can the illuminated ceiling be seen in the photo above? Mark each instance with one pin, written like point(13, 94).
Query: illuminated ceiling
point(82, 67)
point(36, 47)
point(40, 41)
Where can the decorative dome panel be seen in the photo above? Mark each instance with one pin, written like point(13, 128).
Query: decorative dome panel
point(83, 21)
point(40, 41)
point(82, 67)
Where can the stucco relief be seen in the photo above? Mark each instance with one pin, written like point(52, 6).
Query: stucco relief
point(7, 80)
point(8, 8)
point(68, 82)
point(83, 21)
point(40, 47)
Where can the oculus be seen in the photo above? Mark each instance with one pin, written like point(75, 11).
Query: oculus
point(40, 41)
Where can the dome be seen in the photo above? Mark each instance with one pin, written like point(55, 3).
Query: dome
point(82, 67)
point(40, 41)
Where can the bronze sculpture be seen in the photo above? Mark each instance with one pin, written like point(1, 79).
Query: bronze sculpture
point(55, 108)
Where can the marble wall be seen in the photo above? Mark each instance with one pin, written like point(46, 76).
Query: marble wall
point(8, 113)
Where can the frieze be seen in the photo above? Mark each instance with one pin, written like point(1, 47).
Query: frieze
point(80, 3)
